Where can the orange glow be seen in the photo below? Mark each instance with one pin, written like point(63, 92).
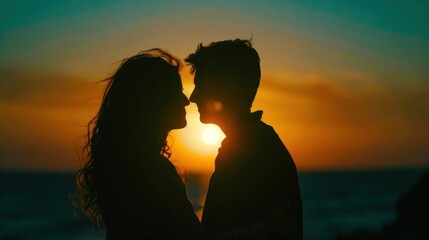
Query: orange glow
point(210, 135)
point(189, 148)
point(324, 123)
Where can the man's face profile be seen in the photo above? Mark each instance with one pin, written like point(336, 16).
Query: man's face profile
point(207, 96)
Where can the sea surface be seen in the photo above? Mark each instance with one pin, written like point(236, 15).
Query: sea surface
point(36, 205)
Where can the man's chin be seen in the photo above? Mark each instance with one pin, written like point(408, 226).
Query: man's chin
point(203, 120)
point(206, 119)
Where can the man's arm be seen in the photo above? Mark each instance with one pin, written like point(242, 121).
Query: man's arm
point(280, 224)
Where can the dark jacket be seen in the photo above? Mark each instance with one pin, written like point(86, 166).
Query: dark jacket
point(254, 175)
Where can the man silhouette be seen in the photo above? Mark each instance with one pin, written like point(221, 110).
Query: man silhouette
point(254, 172)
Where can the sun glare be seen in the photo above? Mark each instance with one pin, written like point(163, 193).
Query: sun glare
point(210, 135)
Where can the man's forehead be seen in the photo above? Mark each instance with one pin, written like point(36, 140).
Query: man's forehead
point(205, 75)
point(202, 76)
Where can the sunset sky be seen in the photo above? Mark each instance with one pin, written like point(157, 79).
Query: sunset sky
point(344, 83)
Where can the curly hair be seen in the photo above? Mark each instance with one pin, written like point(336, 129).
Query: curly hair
point(138, 77)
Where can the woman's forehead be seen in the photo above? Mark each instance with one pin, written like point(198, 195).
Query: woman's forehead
point(175, 80)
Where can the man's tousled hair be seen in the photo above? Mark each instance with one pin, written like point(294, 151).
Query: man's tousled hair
point(235, 61)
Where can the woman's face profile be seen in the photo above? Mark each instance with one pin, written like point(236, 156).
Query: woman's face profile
point(176, 101)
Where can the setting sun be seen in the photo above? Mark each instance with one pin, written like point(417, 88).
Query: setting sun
point(210, 135)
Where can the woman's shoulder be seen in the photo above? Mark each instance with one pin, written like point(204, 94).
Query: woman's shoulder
point(167, 175)
point(166, 165)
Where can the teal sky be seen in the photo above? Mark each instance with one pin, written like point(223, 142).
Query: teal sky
point(404, 17)
point(354, 72)
point(396, 32)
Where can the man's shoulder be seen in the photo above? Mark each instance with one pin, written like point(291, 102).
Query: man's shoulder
point(259, 140)
point(262, 131)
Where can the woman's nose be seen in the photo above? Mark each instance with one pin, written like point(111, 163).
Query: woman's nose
point(192, 98)
point(185, 100)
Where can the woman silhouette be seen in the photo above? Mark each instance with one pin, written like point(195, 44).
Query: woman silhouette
point(127, 185)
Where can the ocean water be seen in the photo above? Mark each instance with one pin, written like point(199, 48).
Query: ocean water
point(36, 205)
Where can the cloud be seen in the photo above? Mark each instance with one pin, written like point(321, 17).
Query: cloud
point(312, 101)
point(329, 101)
point(44, 114)
point(327, 123)
point(43, 88)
